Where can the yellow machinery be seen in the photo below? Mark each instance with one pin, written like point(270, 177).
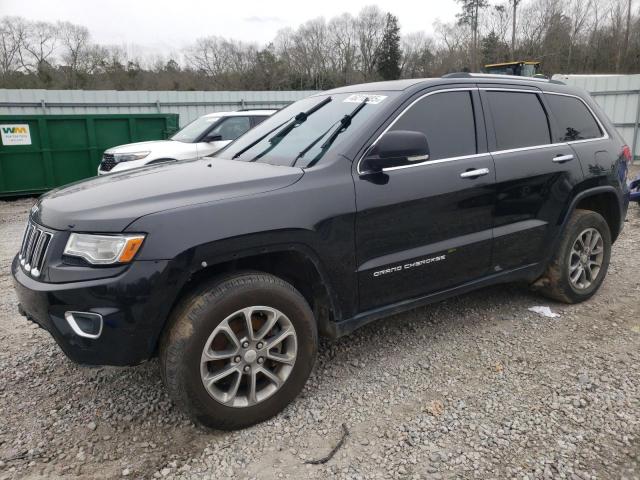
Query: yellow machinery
point(518, 68)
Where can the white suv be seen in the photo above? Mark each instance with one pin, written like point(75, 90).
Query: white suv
point(202, 137)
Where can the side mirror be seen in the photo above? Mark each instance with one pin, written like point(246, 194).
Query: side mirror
point(394, 149)
point(212, 138)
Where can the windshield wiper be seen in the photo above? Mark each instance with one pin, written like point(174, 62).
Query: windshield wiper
point(290, 125)
point(343, 125)
point(255, 142)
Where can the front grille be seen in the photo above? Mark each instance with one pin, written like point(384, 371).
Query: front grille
point(108, 162)
point(34, 248)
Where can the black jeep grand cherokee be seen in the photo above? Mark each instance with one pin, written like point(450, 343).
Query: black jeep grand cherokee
point(345, 207)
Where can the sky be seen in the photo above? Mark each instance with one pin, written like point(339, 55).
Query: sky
point(163, 26)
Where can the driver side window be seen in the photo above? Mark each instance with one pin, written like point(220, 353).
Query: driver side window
point(231, 128)
point(447, 121)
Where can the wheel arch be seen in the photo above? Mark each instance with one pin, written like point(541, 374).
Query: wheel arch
point(604, 200)
point(297, 264)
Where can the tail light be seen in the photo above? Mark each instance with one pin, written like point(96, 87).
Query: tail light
point(626, 153)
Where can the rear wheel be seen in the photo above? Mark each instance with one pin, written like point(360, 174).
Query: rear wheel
point(239, 350)
point(580, 265)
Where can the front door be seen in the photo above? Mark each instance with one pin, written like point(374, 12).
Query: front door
point(427, 227)
point(225, 132)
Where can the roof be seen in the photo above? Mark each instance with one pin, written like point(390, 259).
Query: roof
point(517, 62)
point(242, 113)
point(460, 77)
point(389, 85)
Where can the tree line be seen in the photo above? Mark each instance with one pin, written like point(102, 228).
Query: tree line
point(567, 36)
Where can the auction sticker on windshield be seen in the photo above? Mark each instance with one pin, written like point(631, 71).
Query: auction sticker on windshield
point(360, 97)
point(15, 134)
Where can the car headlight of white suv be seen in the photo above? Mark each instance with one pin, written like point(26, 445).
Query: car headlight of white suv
point(128, 157)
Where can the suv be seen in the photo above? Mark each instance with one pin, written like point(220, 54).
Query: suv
point(203, 136)
point(345, 207)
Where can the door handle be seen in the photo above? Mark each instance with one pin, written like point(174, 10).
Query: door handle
point(562, 158)
point(474, 173)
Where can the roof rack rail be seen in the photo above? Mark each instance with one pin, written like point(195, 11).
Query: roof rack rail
point(257, 108)
point(457, 75)
point(497, 76)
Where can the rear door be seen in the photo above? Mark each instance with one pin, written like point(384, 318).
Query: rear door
point(535, 175)
point(427, 227)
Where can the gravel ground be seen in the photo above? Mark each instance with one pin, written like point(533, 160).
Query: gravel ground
point(473, 387)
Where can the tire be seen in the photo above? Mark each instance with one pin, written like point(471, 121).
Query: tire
point(558, 283)
point(222, 306)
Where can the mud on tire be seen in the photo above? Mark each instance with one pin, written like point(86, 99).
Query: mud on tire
point(577, 270)
point(220, 330)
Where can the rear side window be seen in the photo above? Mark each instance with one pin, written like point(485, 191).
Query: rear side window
point(519, 120)
point(575, 121)
point(447, 121)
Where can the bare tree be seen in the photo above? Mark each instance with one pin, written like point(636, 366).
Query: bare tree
point(39, 44)
point(11, 39)
point(75, 42)
point(577, 36)
point(418, 55)
point(343, 38)
point(578, 11)
point(498, 20)
point(370, 25)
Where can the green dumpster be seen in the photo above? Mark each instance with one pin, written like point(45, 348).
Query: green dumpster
point(40, 152)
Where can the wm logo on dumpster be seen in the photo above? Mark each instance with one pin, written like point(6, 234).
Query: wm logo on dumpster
point(15, 134)
point(15, 130)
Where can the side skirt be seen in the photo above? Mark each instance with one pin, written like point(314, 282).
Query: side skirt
point(338, 329)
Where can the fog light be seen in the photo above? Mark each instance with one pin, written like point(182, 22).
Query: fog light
point(85, 324)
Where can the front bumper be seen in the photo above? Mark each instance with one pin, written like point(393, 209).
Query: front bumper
point(634, 189)
point(134, 306)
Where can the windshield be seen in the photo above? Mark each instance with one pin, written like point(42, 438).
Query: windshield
point(529, 70)
point(192, 131)
point(283, 145)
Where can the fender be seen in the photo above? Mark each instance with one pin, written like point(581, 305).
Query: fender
point(203, 257)
point(589, 193)
point(572, 206)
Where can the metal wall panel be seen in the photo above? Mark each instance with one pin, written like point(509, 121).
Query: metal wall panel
point(619, 97)
point(189, 105)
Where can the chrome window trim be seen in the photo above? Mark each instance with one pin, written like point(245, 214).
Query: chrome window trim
point(534, 90)
point(439, 160)
point(445, 90)
point(532, 147)
point(499, 89)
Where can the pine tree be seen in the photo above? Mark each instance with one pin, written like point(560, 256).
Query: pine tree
point(469, 16)
point(389, 54)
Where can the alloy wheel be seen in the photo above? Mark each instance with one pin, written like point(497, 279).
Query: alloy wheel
point(248, 356)
point(585, 259)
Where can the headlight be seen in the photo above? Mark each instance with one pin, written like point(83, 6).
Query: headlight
point(127, 157)
point(103, 249)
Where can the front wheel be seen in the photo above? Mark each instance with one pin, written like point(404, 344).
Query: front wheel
point(239, 350)
point(580, 265)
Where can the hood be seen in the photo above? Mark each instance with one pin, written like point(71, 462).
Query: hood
point(111, 202)
point(167, 147)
